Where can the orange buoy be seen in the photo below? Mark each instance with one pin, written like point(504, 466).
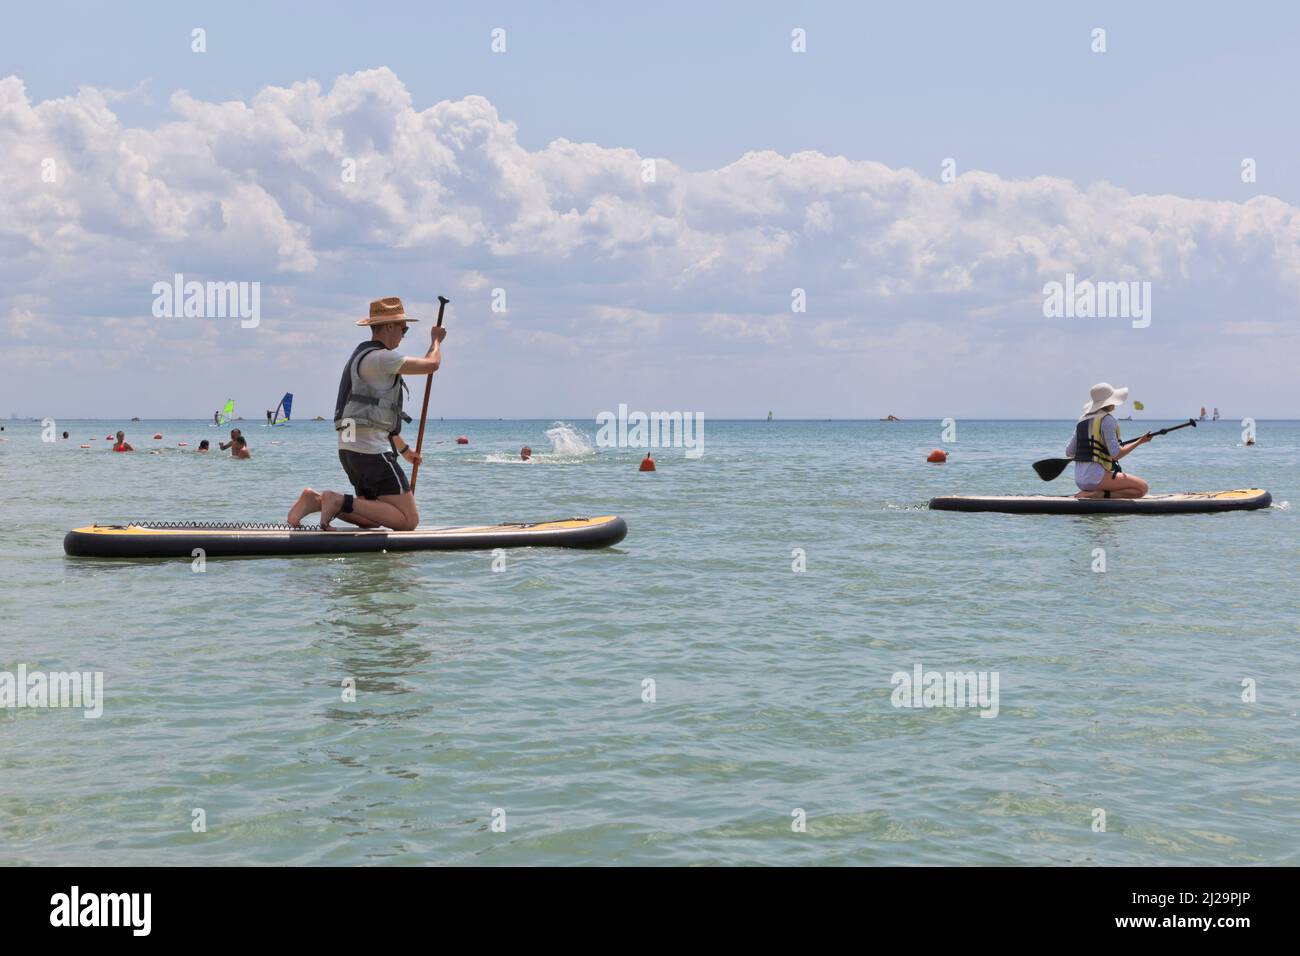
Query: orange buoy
point(462, 440)
point(185, 444)
point(108, 438)
point(647, 463)
point(85, 446)
point(938, 456)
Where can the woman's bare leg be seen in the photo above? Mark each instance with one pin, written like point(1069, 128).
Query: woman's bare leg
point(1119, 486)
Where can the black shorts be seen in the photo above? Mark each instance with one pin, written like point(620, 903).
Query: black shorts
point(373, 476)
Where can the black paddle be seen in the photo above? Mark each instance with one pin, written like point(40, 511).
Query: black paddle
point(1050, 468)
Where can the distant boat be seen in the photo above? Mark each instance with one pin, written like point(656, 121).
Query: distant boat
point(892, 418)
point(136, 418)
point(318, 418)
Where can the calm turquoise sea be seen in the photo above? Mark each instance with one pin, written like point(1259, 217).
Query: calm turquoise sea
point(502, 717)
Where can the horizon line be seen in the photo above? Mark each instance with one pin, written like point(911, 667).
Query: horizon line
point(562, 418)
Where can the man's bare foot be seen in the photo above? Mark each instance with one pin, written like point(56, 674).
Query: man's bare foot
point(331, 503)
point(308, 503)
point(1090, 494)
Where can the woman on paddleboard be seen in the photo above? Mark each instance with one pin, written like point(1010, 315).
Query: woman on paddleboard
point(368, 417)
point(1096, 449)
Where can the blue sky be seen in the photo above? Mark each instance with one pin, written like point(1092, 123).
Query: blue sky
point(776, 171)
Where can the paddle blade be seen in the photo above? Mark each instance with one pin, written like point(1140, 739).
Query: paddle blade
point(1051, 468)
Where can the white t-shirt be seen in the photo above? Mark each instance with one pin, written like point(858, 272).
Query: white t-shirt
point(378, 367)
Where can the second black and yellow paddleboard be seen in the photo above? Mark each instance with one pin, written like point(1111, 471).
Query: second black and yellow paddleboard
point(1192, 502)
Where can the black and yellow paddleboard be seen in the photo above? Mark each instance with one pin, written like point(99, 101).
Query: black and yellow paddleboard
point(156, 539)
point(1192, 502)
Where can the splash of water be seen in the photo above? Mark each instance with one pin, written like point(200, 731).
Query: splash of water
point(568, 442)
point(567, 445)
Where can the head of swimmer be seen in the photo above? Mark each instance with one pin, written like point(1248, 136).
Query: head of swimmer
point(525, 453)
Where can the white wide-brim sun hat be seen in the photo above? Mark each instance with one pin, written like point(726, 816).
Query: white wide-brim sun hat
point(1103, 394)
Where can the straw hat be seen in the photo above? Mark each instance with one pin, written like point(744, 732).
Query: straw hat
point(386, 310)
point(1103, 394)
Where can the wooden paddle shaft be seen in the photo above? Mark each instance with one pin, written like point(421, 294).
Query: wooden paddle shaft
point(424, 412)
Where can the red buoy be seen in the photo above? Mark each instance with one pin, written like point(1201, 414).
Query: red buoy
point(157, 436)
point(647, 463)
point(938, 456)
point(462, 440)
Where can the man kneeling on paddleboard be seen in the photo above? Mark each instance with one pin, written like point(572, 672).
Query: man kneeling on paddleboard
point(368, 416)
point(1096, 449)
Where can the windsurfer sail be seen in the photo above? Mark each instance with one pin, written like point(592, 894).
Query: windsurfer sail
point(283, 411)
point(227, 412)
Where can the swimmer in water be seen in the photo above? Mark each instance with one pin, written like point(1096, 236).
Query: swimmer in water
point(203, 445)
point(235, 435)
point(525, 454)
point(241, 448)
point(122, 444)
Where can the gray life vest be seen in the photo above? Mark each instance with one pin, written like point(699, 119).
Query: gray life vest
point(364, 405)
